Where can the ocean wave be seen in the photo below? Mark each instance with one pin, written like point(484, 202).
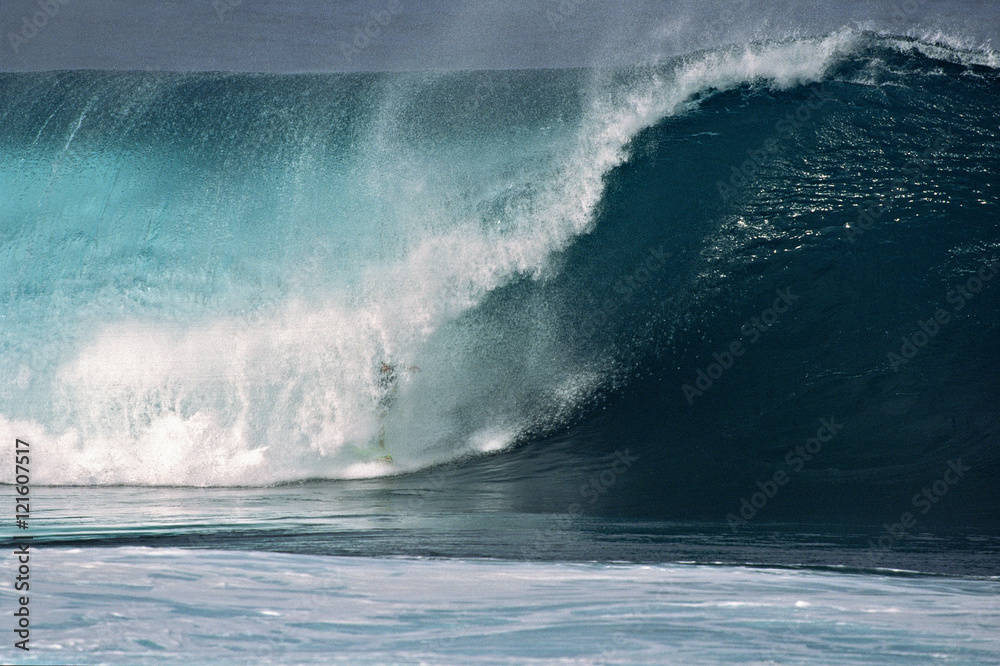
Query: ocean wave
point(209, 270)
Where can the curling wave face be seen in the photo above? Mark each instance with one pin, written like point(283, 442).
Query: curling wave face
point(206, 271)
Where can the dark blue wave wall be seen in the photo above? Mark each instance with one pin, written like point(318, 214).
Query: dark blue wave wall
point(866, 208)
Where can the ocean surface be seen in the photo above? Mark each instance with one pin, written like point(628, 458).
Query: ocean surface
point(695, 358)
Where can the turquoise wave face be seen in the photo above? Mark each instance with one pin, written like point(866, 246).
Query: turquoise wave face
point(220, 263)
point(343, 214)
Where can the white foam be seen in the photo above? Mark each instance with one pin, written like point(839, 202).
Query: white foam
point(948, 47)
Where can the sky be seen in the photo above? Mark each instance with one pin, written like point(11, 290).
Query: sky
point(352, 35)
